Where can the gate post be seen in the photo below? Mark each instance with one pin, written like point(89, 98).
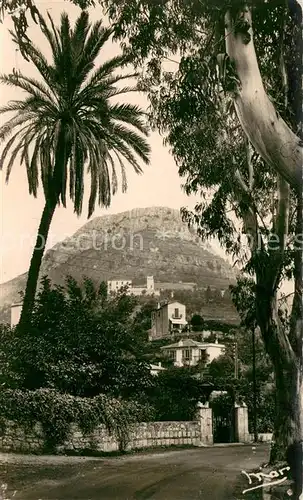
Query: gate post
point(241, 423)
point(205, 419)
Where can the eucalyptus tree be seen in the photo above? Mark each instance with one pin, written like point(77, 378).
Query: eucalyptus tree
point(68, 123)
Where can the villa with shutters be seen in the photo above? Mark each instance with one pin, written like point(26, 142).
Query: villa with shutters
point(188, 352)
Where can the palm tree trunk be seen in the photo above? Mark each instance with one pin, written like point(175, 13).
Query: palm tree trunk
point(33, 273)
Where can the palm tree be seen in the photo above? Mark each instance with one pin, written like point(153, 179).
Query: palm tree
point(68, 123)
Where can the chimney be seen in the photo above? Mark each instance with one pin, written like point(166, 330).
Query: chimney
point(160, 364)
point(172, 295)
point(158, 305)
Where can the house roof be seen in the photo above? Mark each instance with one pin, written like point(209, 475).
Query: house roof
point(157, 367)
point(182, 343)
point(192, 343)
point(168, 302)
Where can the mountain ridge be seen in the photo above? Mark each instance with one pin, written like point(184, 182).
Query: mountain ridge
point(130, 245)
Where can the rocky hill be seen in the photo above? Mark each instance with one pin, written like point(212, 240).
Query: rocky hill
point(130, 245)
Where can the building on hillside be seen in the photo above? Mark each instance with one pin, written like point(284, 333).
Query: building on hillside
point(188, 352)
point(156, 369)
point(149, 289)
point(168, 318)
point(162, 286)
point(116, 285)
point(15, 313)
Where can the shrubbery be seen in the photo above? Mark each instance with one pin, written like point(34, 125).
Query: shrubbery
point(81, 360)
point(56, 411)
point(175, 395)
point(80, 342)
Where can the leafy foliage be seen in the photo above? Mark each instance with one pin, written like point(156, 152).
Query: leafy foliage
point(80, 342)
point(82, 361)
point(220, 373)
point(175, 395)
point(56, 412)
point(197, 322)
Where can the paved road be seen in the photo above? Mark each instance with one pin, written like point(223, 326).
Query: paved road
point(204, 473)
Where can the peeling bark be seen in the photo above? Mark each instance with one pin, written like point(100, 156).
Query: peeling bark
point(264, 127)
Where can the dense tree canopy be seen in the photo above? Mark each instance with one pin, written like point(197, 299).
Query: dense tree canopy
point(80, 342)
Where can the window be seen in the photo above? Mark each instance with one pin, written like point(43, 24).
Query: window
point(172, 355)
point(187, 354)
point(204, 355)
point(176, 313)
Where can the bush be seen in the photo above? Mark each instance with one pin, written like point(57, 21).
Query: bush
point(56, 411)
point(79, 342)
point(175, 395)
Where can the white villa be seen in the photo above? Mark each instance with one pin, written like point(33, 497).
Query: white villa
point(149, 289)
point(189, 352)
point(168, 318)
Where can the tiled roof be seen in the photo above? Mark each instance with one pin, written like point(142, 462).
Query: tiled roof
point(192, 343)
point(185, 343)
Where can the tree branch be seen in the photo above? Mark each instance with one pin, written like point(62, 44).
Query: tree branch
point(264, 127)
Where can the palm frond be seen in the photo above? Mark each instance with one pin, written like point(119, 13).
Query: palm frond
point(67, 122)
point(9, 145)
point(107, 69)
point(130, 114)
point(133, 140)
point(123, 173)
point(7, 128)
point(35, 84)
point(79, 35)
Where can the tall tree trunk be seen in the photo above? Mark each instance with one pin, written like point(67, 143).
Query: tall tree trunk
point(264, 127)
point(287, 443)
point(287, 363)
point(33, 273)
point(55, 190)
point(279, 147)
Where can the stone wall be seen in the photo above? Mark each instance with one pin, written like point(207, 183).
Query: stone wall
point(263, 437)
point(142, 435)
point(198, 432)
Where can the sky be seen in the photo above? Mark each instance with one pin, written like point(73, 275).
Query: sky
point(20, 213)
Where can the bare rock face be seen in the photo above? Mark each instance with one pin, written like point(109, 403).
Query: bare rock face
point(131, 245)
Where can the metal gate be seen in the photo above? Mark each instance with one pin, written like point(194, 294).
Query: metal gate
point(223, 419)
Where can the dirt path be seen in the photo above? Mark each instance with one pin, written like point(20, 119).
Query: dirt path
point(206, 473)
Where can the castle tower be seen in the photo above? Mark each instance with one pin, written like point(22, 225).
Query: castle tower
point(150, 284)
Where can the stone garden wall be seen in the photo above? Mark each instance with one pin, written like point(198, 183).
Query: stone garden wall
point(263, 437)
point(143, 435)
point(198, 432)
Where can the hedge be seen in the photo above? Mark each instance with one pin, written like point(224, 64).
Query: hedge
point(57, 411)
